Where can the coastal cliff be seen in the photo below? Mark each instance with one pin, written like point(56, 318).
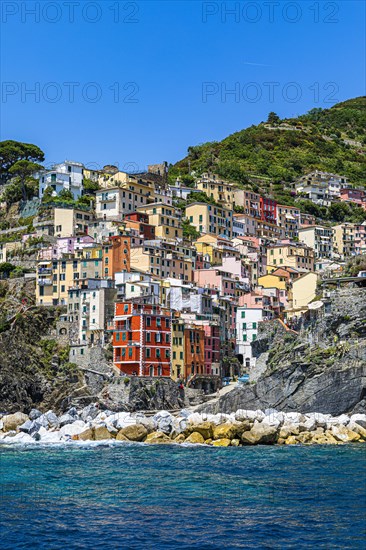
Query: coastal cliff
point(322, 368)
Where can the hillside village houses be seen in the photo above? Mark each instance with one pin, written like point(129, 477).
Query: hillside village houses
point(176, 285)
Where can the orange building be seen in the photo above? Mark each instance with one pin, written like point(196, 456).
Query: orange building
point(194, 350)
point(142, 339)
point(116, 255)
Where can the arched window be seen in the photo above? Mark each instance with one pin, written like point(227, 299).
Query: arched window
point(151, 371)
point(160, 371)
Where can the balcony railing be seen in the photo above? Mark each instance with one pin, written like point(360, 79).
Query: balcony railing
point(44, 282)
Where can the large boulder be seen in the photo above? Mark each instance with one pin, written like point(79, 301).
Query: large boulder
point(53, 419)
point(76, 428)
point(205, 429)
point(89, 413)
point(359, 419)
point(86, 435)
point(260, 433)
point(121, 437)
point(101, 433)
point(223, 442)
point(135, 432)
point(12, 421)
point(30, 427)
point(195, 437)
point(66, 419)
point(225, 431)
point(164, 421)
point(34, 413)
point(157, 437)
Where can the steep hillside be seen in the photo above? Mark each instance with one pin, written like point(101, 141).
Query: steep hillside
point(272, 154)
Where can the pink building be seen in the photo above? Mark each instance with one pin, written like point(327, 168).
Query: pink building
point(215, 279)
point(347, 194)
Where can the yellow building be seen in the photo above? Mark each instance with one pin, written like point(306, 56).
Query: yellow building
point(296, 255)
point(56, 277)
point(273, 281)
point(208, 218)
point(344, 239)
point(161, 262)
point(177, 349)
point(69, 222)
point(222, 192)
point(207, 245)
point(166, 219)
point(302, 291)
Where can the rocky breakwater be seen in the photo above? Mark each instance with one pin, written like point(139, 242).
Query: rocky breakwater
point(244, 427)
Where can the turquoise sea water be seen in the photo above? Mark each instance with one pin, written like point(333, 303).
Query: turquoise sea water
point(167, 497)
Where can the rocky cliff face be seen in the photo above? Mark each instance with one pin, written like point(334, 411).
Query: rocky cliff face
point(141, 394)
point(321, 369)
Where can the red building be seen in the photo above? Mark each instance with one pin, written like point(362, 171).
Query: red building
point(212, 349)
point(140, 222)
point(194, 352)
point(268, 209)
point(116, 255)
point(142, 339)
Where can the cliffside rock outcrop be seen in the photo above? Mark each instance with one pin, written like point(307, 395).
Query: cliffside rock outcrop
point(321, 369)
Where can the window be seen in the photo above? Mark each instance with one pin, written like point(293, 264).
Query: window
point(243, 314)
point(157, 352)
point(158, 322)
point(254, 325)
point(244, 326)
point(174, 355)
point(148, 337)
point(117, 336)
point(254, 337)
point(129, 352)
point(148, 322)
point(148, 352)
point(125, 308)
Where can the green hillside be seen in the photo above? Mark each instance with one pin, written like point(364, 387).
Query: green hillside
point(269, 156)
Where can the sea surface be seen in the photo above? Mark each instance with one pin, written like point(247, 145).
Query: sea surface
point(166, 497)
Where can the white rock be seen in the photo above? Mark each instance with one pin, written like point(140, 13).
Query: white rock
point(195, 418)
point(294, 418)
point(244, 414)
point(72, 429)
point(360, 419)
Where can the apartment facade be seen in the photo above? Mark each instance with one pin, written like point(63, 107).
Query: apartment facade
point(66, 176)
point(142, 339)
point(207, 218)
point(296, 255)
point(247, 320)
point(319, 238)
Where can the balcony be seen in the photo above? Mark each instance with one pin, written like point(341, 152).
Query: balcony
point(44, 271)
point(45, 282)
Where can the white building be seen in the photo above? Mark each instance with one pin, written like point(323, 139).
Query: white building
point(113, 203)
point(91, 308)
point(179, 191)
point(65, 176)
point(319, 238)
point(247, 320)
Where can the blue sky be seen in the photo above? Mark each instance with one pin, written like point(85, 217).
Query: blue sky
point(133, 83)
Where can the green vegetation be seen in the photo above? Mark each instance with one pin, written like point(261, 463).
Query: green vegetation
point(9, 270)
point(189, 231)
point(18, 162)
point(267, 160)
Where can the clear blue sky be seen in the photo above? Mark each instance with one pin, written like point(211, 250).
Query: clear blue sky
point(168, 50)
